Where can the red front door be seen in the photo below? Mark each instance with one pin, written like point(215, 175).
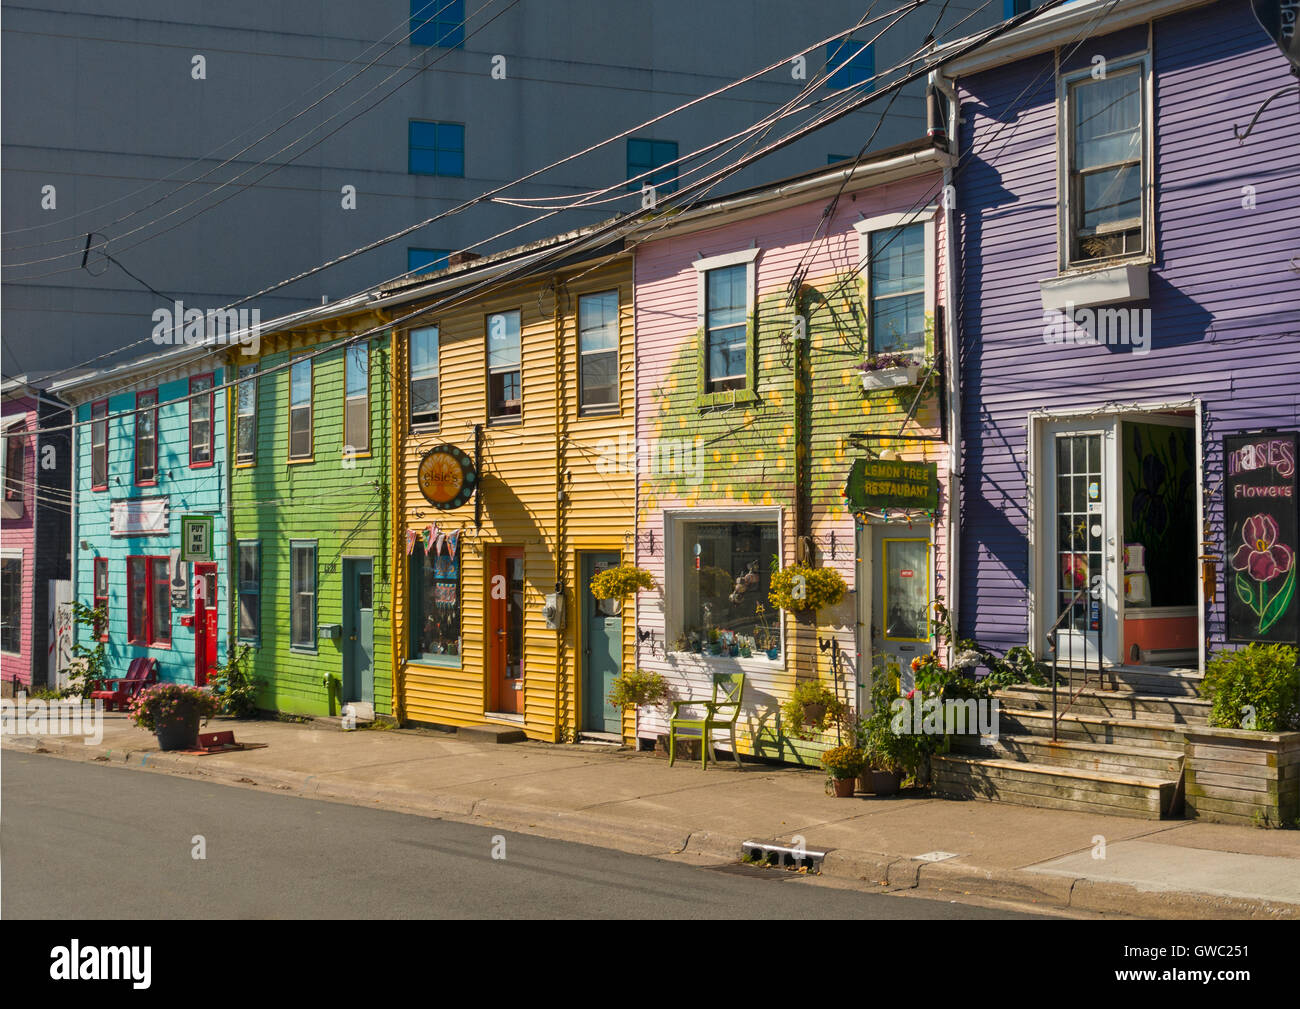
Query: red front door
point(205, 580)
point(506, 629)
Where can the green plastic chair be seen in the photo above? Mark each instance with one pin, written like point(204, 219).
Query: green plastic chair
point(727, 691)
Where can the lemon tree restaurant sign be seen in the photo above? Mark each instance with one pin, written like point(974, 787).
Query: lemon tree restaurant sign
point(1261, 513)
point(446, 476)
point(874, 484)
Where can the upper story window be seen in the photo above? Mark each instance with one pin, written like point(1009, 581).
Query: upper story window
point(99, 445)
point(15, 459)
point(898, 250)
point(246, 415)
point(426, 260)
point(726, 295)
point(423, 368)
point(598, 352)
point(146, 437)
point(1105, 155)
point(300, 409)
point(655, 157)
point(356, 399)
point(201, 402)
point(849, 63)
point(505, 378)
point(438, 23)
point(436, 149)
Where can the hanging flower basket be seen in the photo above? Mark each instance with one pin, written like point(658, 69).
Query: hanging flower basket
point(621, 582)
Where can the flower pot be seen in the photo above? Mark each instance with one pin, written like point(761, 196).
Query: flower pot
point(844, 787)
point(813, 714)
point(890, 378)
point(884, 782)
point(180, 733)
point(772, 653)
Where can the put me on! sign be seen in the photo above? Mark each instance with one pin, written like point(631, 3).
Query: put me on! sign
point(196, 537)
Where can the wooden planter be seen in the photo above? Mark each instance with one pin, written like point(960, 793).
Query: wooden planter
point(1240, 776)
point(890, 378)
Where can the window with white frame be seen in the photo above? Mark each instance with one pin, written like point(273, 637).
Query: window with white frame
point(423, 368)
point(598, 351)
point(146, 437)
point(300, 409)
point(898, 256)
point(1105, 161)
point(302, 593)
point(722, 567)
point(505, 394)
point(246, 415)
point(726, 296)
point(356, 399)
point(201, 409)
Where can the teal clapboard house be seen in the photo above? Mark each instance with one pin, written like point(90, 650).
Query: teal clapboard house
point(149, 448)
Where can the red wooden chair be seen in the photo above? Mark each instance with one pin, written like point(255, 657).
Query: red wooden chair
point(122, 689)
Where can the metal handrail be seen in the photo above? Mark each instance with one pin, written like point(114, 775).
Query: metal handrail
point(1052, 635)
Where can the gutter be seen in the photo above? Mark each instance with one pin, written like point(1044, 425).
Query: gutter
point(951, 349)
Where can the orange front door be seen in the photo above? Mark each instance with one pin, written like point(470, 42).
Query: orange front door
point(506, 629)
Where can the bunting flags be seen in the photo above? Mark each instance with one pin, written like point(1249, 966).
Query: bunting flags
point(452, 544)
point(410, 541)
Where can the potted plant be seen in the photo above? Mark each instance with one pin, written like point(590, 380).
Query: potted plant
point(843, 765)
point(889, 371)
point(715, 642)
point(765, 639)
point(811, 709)
point(637, 689)
point(620, 582)
point(173, 712)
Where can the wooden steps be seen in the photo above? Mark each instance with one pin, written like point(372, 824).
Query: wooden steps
point(1119, 748)
point(1054, 787)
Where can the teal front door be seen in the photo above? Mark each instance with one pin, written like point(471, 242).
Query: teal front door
point(358, 630)
point(602, 649)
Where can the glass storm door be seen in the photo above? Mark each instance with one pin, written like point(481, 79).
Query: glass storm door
point(900, 598)
point(1080, 512)
point(506, 629)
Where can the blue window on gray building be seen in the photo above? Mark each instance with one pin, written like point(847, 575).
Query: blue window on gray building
point(651, 156)
point(849, 63)
point(426, 260)
point(1010, 8)
point(438, 23)
point(436, 149)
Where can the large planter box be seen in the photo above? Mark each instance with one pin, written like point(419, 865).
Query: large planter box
point(1238, 776)
point(890, 378)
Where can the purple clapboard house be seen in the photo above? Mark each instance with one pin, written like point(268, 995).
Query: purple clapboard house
point(1128, 303)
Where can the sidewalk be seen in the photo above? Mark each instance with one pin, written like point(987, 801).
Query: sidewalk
point(635, 802)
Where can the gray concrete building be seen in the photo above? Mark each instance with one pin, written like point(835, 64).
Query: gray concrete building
point(211, 150)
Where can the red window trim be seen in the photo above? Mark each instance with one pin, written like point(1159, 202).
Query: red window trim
point(93, 485)
point(94, 590)
point(212, 421)
point(132, 632)
point(135, 462)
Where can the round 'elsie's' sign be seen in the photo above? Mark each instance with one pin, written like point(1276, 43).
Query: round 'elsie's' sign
point(447, 477)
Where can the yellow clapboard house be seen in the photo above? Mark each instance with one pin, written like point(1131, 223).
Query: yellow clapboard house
point(514, 483)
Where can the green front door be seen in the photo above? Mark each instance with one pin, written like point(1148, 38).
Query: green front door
point(358, 630)
point(602, 649)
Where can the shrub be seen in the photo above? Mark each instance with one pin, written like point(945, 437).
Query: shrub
point(638, 688)
point(171, 702)
point(799, 587)
point(1256, 687)
point(235, 685)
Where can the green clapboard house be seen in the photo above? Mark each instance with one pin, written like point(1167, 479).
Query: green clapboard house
point(311, 512)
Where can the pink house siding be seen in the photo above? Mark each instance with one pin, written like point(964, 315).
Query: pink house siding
point(749, 457)
point(17, 539)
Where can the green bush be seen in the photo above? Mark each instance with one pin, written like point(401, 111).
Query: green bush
point(235, 685)
point(638, 688)
point(1256, 687)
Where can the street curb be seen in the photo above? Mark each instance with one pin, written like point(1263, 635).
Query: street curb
point(895, 872)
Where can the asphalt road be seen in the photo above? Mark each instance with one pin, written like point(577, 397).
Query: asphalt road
point(83, 841)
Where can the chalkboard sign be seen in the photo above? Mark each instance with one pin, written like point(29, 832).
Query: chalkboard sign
point(892, 483)
point(1261, 520)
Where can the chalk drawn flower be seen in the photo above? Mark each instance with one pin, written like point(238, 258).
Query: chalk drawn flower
point(1260, 554)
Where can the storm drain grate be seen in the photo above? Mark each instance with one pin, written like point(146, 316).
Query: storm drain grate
point(755, 871)
point(781, 856)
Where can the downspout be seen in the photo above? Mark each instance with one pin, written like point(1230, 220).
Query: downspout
point(951, 350)
point(232, 547)
point(74, 547)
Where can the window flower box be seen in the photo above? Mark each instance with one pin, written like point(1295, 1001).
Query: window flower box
point(891, 378)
